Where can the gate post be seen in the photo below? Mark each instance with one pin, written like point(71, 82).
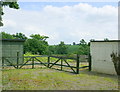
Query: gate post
point(17, 60)
point(89, 60)
point(77, 65)
point(48, 61)
point(3, 62)
point(61, 63)
point(32, 62)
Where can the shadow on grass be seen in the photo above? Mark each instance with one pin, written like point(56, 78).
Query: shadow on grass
point(67, 71)
point(87, 72)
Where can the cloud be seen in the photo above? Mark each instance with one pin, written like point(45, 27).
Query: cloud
point(66, 23)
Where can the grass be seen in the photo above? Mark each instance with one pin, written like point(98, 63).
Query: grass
point(43, 78)
point(50, 79)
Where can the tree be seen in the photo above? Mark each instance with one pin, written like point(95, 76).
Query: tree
point(36, 44)
point(19, 36)
point(61, 48)
point(51, 50)
point(6, 35)
point(74, 43)
point(39, 37)
point(13, 5)
point(106, 39)
point(84, 48)
point(82, 42)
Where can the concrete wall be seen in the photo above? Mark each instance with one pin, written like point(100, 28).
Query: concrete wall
point(10, 49)
point(101, 59)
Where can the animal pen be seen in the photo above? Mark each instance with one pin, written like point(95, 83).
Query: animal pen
point(16, 59)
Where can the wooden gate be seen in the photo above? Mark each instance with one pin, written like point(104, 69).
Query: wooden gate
point(74, 64)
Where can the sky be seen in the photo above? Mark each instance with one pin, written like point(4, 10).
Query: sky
point(64, 21)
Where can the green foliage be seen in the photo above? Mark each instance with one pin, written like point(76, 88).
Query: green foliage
point(38, 37)
point(50, 79)
point(28, 54)
point(82, 42)
point(19, 36)
point(13, 5)
point(72, 49)
point(106, 39)
point(36, 45)
point(6, 35)
point(61, 48)
point(51, 50)
point(83, 50)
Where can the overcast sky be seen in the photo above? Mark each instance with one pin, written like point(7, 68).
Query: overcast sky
point(66, 21)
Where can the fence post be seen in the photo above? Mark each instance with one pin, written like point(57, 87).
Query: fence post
point(89, 60)
point(61, 63)
point(32, 62)
point(48, 61)
point(17, 60)
point(77, 65)
point(3, 62)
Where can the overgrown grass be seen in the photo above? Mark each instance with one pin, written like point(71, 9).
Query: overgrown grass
point(50, 79)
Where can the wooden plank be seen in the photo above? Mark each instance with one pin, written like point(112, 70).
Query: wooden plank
point(32, 63)
point(83, 56)
point(17, 60)
point(3, 62)
point(54, 63)
point(69, 66)
point(63, 57)
point(40, 62)
point(48, 61)
point(45, 63)
point(77, 64)
point(64, 65)
point(83, 67)
point(10, 63)
point(89, 60)
point(61, 63)
point(24, 63)
point(35, 56)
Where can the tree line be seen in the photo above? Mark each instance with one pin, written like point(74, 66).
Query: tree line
point(37, 44)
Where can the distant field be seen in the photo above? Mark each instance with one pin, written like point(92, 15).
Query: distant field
point(73, 48)
point(50, 79)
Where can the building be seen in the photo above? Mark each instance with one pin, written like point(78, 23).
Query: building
point(11, 48)
point(101, 55)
